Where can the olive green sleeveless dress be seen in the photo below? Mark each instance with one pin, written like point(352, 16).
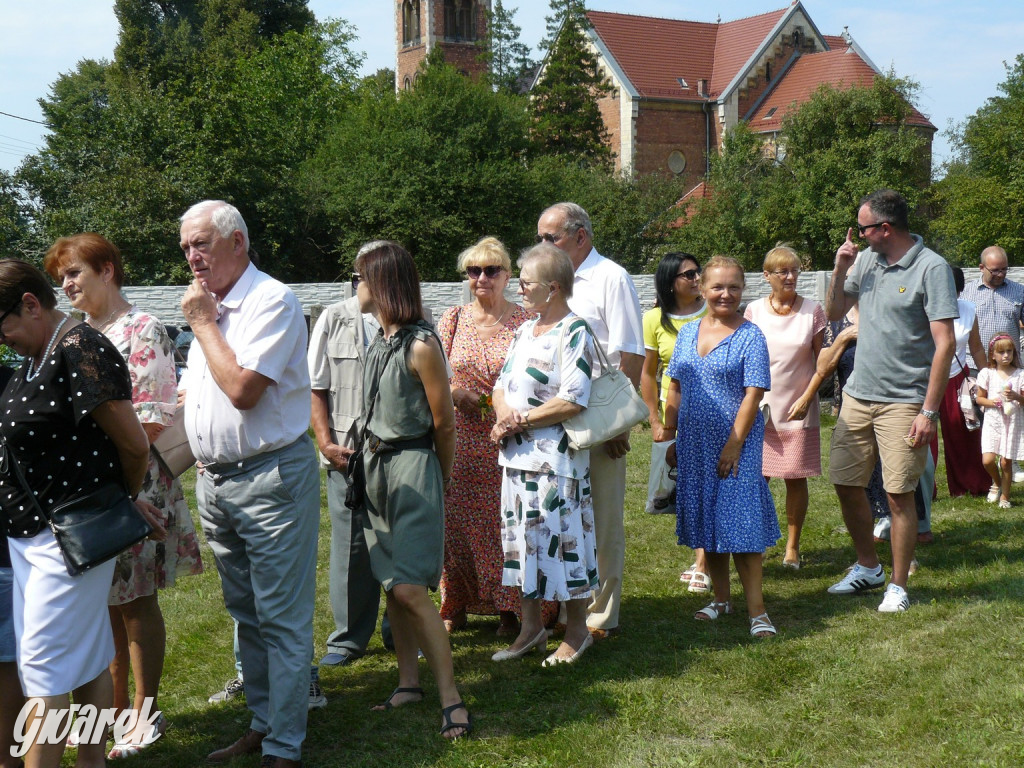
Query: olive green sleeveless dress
point(404, 523)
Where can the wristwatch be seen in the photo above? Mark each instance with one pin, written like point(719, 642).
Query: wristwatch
point(932, 416)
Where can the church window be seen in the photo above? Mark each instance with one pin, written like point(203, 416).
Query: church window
point(460, 19)
point(410, 22)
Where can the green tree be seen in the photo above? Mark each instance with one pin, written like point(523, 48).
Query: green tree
point(198, 103)
point(980, 200)
point(507, 57)
point(566, 118)
point(840, 145)
point(398, 166)
point(13, 221)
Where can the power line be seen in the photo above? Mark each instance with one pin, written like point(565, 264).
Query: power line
point(20, 141)
point(26, 119)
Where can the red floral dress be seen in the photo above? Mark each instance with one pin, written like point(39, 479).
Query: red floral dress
point(473, 560)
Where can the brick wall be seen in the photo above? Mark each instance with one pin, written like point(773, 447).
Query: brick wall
point(661, 128)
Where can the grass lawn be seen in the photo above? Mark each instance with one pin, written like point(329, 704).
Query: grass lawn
point(841, 685)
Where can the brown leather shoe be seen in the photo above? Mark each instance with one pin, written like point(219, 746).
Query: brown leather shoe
point(603, 634)
point(247, 745)
point(273, 761)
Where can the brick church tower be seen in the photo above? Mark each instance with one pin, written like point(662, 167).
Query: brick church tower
point(456, 26)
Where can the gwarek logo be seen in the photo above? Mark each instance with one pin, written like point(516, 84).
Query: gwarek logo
point(90, 724)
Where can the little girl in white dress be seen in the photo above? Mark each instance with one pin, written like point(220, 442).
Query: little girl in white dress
point(999, 393)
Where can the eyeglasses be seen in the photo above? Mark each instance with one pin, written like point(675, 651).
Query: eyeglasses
point(4, 317)
point(356, 280)
point(785, 272)
point(690, 274)
point(528, 283)
point(548, 237)
point(491, 271)
point(990, 271)
point(863, 228)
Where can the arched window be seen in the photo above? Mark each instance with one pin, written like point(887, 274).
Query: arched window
point(407, 85)
point(460, 19)
point(410, 22)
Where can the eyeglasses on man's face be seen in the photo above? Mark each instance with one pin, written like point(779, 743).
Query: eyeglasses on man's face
point(998, 271)
point(863, 228)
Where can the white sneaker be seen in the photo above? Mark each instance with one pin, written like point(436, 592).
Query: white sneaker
point(895, 600)
point(882, 528)
point(859, 579)
point(993, 494)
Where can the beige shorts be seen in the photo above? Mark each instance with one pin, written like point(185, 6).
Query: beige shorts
point(866, 430)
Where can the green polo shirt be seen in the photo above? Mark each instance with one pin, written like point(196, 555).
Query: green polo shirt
point(894, 340)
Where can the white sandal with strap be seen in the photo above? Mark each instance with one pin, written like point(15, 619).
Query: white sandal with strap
point(713, 610)
point(761, 626)
point(699, 582)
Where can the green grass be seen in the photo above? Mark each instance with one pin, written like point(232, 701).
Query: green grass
point(841, 685)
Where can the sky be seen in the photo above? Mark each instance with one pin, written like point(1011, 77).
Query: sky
point(955, 50)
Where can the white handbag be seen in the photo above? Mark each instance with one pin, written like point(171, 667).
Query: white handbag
point(614, 406)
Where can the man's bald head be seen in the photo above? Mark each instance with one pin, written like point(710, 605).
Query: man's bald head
point(993, 266)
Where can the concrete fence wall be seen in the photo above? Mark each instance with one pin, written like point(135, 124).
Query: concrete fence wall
point(164, 301)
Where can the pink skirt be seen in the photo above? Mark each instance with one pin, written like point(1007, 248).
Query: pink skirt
point(791, 453)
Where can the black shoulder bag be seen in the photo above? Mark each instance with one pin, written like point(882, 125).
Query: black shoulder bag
point(92, 528)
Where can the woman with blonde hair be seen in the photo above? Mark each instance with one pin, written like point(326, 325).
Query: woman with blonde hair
point(795, 330)
point(476, 338)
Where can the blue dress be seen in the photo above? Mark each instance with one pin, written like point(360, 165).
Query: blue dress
point(736, 514)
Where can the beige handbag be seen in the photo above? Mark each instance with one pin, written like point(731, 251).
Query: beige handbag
point(171, 446)
point(614, 406)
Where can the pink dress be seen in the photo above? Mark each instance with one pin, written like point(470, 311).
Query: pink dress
point(152, 565)
point(792, 449)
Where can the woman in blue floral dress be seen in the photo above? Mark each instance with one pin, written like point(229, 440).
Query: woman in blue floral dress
point(719, 372)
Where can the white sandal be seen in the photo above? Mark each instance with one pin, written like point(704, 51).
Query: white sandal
point(699, 582)
point(761, 626)
point(713, 610)
point(688, 573)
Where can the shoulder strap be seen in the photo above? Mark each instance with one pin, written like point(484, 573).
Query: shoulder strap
point(601, 355)
point(12, 461)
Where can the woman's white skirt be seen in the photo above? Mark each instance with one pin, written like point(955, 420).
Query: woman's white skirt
point(61, 623)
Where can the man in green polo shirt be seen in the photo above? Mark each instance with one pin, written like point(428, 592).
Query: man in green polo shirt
point(905, 344)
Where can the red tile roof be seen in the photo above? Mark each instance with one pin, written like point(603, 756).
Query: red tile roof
point(838, 67)
point(835, 42)
point(653, 52)
point(737, 41)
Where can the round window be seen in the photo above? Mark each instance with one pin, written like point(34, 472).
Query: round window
point(677, 162)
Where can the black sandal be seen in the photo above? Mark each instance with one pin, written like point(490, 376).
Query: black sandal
point(449, 725)
point(388, 705)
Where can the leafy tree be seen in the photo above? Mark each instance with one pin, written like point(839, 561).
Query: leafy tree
point(981, 198)
point(198, 103)
point(840, 145)
point(398, 166)
point(507, 57)
point(566, 118)
point(13, 222)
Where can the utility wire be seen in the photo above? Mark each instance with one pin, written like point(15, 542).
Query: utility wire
point(26, 119)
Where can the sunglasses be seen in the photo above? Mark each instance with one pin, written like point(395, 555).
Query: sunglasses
point(356, 280)
point(863, 228)
point(491, 271)
point(547, 237)
point(690, 274)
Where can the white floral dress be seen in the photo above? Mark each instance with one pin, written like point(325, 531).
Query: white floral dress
point(151, 565)
point(547, 530)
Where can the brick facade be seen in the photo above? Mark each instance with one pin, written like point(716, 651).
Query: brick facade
point(666, 127)
point(460, 52)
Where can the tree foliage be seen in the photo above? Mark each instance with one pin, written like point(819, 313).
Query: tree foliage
point(566, 117)
point(980, 200)
point(398, 166)
point(14, 224)
point(840, 145)
point(507, 57)
point(204, 99)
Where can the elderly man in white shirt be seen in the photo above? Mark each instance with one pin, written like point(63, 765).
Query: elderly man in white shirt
point(247, 408)
point(604, 295)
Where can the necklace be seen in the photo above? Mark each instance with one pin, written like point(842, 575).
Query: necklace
point(102, 325)
point(29, 376)
point(781, 309)
point(491, 325)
